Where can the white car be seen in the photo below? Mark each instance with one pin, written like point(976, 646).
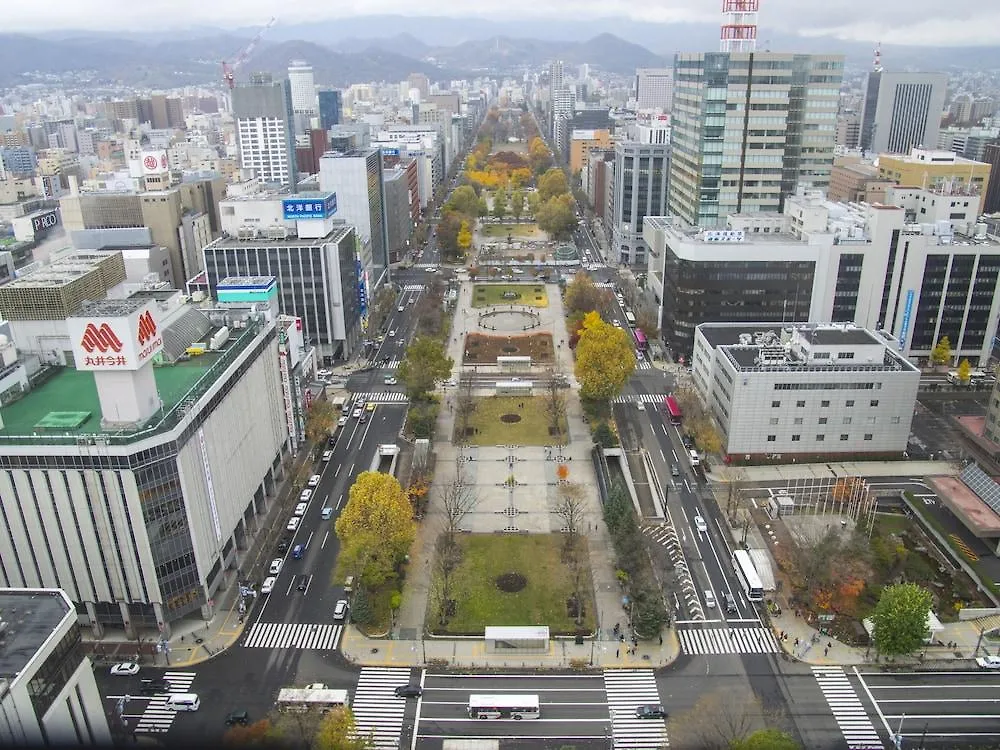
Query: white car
point(988, 662)
point(390, 381)
point(268, 585)
point(700, 525)
point(327, 455)
point(640, 406)
point(356, 414)
point(275, 566)
point(431, 269)
point(324, 373)
point(341, 421)
point(392, 334)
point(293, 523)
point(305, 495)
point(300, 509)
point(314, 480)
point(399, 309)
point(125, 668)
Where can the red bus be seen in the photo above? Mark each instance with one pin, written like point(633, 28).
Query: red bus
point(673, 409)
point(640, 340)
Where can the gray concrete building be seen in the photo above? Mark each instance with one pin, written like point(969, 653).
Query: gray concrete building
point(902, 111)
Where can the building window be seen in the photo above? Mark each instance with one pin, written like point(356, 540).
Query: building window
point(771, 438)
point(843, 437)
point(873, 402)
point(800, 404)
point(798, 420)
point(824, 404)
point(895, 420)
point(869, 420)
point(847, 420)
point(774, 420)
point(775, 404)
point(820, 438)
point(822, 420)
point(796, 438)
point(845, 355)
point(850, 403)
point(868, 436)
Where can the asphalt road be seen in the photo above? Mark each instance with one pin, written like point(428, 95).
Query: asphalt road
point(939, 709)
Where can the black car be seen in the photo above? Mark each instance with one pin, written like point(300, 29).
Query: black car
point(237, 717)
point(650, 711)
point(688, 441)
point(674, 471)
point(411, 690)
point(282, 546)
point(303, 583)
point(154, 686)
point(331, 441)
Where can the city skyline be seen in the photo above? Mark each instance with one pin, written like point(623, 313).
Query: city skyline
point(917, 23)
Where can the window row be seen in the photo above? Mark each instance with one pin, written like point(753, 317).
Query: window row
point(826, 403)
point(844, 437)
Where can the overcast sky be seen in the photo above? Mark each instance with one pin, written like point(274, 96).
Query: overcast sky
point(921, 22)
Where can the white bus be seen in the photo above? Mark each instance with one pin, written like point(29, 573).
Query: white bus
point(504, 707)
point(747, 574)
point(311, 698)
point(630, 318)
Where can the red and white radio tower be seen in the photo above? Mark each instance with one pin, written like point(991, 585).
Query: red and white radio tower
point(739, 27)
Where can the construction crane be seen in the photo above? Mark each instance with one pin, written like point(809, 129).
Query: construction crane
point(229, 70)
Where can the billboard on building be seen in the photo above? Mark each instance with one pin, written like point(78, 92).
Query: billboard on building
point(315, 207)
point(154, 162)
point(118, 344)
point(43, 221)
point(387, 151)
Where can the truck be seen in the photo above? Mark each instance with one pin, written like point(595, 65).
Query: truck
point(341, 404)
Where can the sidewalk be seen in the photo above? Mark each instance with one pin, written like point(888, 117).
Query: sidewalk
point(563, 653)
point(788, 472)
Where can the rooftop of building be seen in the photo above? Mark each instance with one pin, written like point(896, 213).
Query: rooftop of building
point(247, 281)
point(27, 619)
point(930, 158)
point(64, 405)
point(61, 270)
point(335, 235)
point(823, 334)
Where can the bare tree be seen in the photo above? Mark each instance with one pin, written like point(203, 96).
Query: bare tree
point(720, 720)
point(734, 478)
point(571, 509)
point(458, 499)
point(465, 407)
point(555, 404)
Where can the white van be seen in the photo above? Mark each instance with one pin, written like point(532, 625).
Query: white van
point(693, 455)
point(184, 702)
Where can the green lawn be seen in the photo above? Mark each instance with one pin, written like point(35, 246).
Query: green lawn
point(541, 602)
point(502, 230)
point(489, 295)
point(531, 429)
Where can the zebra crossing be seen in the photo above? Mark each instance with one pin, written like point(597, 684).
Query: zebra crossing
point(385, 397)
point(728, 641)
point(646, 398)
point(643, 364)
point(603, 285)
point(847, 708)
point(157, 717)
point(391, 364)
point(413, 288)
point(626, 689)
point(293, 635)
point(377, 711)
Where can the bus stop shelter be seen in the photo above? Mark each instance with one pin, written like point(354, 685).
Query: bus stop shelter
point(514, 638)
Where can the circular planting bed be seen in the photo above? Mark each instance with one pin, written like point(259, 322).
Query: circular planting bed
point(511, 583)
point(510, 349)
point(510, 418)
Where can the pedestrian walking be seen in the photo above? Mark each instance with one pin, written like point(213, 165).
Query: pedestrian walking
point(661, 639)
point(618, 653)
point(796, 642)
point(826, 651)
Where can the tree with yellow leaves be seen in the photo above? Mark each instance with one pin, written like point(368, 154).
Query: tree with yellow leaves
point(338, 731)
point(464, 239)
point(604, 359)
point(376, 528)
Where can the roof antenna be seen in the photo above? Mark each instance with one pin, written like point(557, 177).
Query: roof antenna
point(877, 62)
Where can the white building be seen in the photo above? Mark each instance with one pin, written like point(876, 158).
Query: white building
point(265, 129)
point(141, 467)
point(909, 269)
point(804, 391)
point(303, 87)
point(902, 111)
point(48, 695)
point(654, 89)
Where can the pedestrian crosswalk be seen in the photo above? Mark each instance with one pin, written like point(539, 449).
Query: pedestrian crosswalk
point(643, 364)
point(603, 285)
point(293, 635)
point(413, 288)
point(847, 708)
point(385, 397)
point(728, 641)
point(378, 713)
point(627, 689)
point(157, 717)
point(390, 364)
point(646, 398)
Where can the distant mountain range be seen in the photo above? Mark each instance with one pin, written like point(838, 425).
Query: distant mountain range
point(346, 51)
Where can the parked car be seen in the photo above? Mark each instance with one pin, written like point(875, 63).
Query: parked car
point(300, 509)
point(268, 586)
point(293, 523)
point(341, 421)
point(314, 480)
point(282, 547)
point(276, 564)
point(327, 455)
point(988, 662)
point(305, 495)
point(340, 610)
point(125, 668)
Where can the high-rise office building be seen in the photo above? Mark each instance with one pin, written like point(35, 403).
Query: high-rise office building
point(991, 199)
point(902, 111)
point(356, 178)
point(640, 189)
point(264, 122)
point(748, 127)
point(330, 108)
point(303, 87)
point(654, 88)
